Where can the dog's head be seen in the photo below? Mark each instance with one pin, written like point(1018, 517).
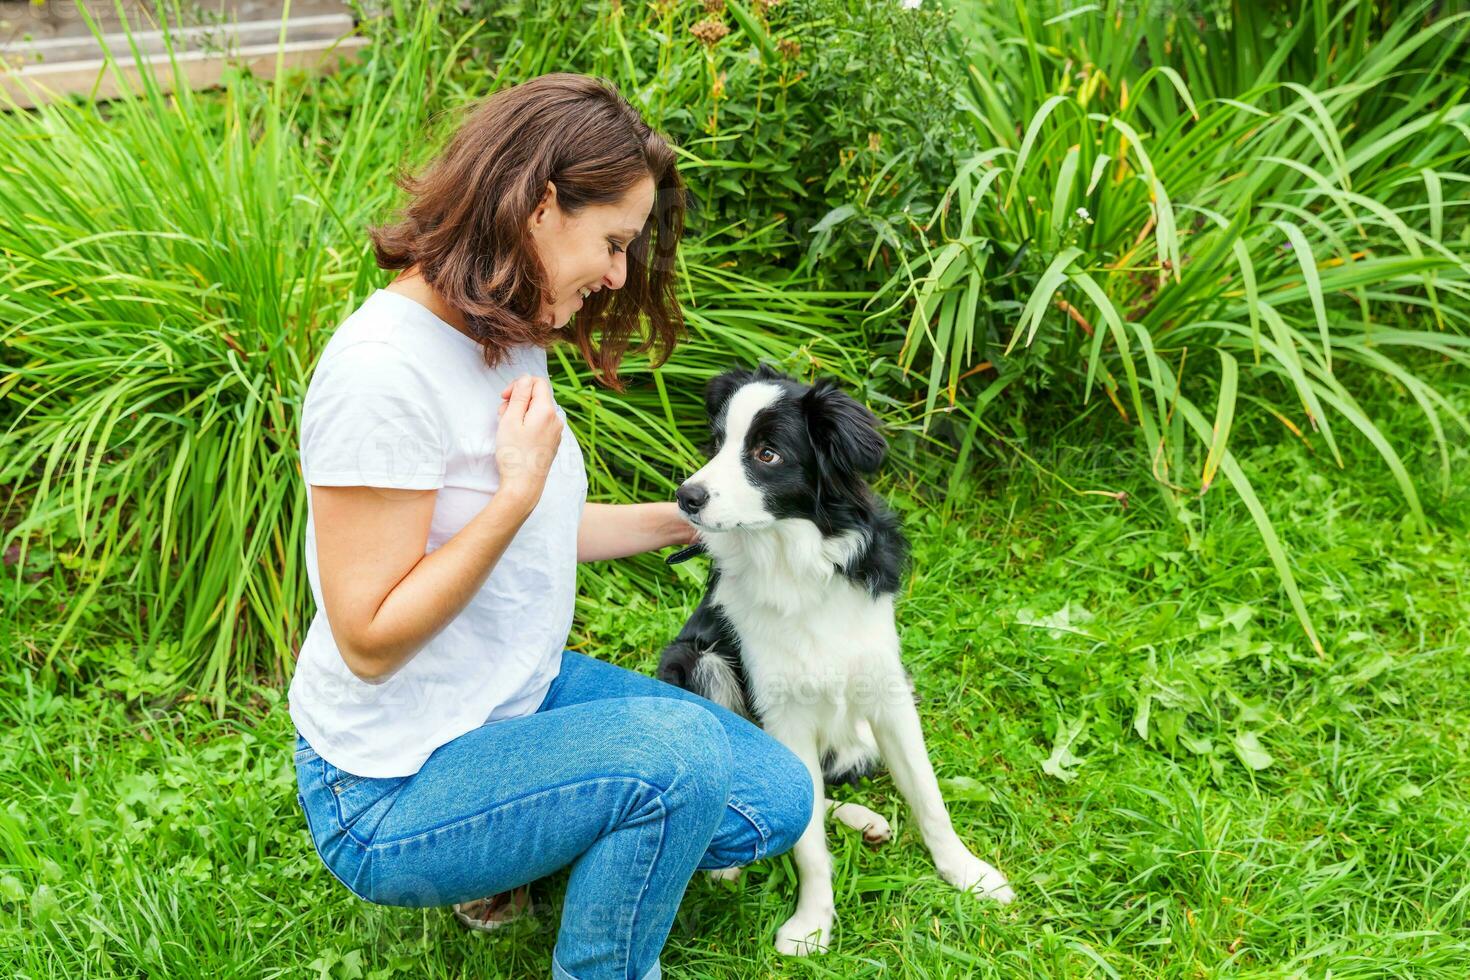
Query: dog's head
point(782, 449)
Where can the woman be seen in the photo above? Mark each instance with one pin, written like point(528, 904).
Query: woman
point(449, 747)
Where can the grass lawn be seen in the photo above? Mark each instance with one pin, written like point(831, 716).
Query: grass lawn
point(1125, 715)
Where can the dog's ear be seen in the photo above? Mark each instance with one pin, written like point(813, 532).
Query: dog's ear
point(843, 431)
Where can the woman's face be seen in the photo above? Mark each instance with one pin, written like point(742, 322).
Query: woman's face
point(587, 252)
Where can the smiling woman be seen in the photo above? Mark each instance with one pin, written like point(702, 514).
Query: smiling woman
point(606, 210)
point(449, 746)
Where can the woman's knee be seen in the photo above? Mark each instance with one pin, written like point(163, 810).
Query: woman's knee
point(680, 747)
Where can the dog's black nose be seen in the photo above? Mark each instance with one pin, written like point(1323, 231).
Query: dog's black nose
point(691, 497)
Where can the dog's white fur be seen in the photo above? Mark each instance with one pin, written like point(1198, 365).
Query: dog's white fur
point(823, 669)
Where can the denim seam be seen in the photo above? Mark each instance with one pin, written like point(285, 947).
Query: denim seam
point(560, 972)
point(455, 824)
point(760, 826)
point(663, 812)
point(345, 781)
point(306, 812)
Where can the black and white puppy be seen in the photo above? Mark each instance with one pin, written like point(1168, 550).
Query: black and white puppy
point(796, 629)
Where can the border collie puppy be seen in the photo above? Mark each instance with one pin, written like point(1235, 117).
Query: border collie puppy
point(796, 629)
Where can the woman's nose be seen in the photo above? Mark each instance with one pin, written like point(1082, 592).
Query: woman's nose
point(618, 274)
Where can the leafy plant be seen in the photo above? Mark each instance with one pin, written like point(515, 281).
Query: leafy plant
point(1276, 248)
point(784, 110)
point(175, 266)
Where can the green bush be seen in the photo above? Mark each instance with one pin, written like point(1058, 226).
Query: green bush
point(1139, 223)
point(174, 267)
point(1019, 213)
point(784, 110)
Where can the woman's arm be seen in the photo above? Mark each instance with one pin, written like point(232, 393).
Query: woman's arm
point(384, 597)
point(620, 530)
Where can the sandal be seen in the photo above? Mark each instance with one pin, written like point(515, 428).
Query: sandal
point(496, 911)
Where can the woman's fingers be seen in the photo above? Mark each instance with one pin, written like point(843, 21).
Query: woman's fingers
point(541, 394)
point(510, 388)
point(529, 398)
point(518, 396)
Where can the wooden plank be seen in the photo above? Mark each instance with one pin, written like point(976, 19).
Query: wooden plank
point(69, 56)
point(36, 84)
point(85, 47)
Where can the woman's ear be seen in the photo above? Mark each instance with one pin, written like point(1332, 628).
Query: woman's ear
point(548, 198)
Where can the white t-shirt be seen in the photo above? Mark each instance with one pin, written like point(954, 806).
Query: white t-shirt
point(401, 399)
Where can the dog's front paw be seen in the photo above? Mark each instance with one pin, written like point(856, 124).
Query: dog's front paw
point(874, 828)
point(803, 936)
point(978, 878)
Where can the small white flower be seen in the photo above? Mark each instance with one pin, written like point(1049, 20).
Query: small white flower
point(1082, 213)
point(911, 4)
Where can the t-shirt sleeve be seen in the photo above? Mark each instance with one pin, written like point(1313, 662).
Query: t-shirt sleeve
point(370, 419)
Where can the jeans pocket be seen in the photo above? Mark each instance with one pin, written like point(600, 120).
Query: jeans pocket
point(345, 783)
point(363, 802)
point(319, 824)
point(338, 780)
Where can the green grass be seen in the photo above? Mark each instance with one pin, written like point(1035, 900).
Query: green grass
point(1281, 813)
point(1127, 712)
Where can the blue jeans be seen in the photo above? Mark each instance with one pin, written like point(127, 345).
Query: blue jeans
point(632, 782)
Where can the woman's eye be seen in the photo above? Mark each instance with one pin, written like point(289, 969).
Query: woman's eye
point(614, 247)
point(767, 455)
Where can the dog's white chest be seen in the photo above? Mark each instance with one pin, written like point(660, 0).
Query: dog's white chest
point(809, 636)
point(840, 621)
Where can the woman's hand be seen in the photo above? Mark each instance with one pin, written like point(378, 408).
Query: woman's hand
point(527, 437)
point(681, 532)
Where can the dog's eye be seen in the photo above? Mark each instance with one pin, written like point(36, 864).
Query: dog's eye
point(767, 456)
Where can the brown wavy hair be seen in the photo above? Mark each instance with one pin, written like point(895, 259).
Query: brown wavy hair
point(465, 225)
